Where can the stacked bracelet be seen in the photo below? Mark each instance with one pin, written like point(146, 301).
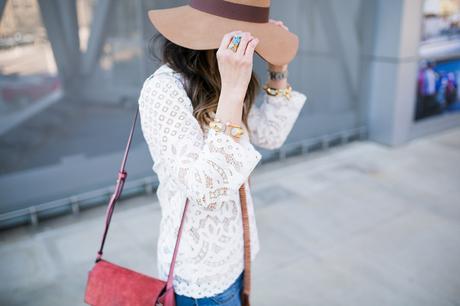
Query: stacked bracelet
point(219, 126)
point(277, 75)
point(279, 91)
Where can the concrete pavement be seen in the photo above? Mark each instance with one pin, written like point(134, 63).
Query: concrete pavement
point(361, 224)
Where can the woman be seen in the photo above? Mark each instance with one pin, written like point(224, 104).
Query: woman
point(184, 106)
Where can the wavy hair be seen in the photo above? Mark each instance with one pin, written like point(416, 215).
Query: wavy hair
point(200, 70)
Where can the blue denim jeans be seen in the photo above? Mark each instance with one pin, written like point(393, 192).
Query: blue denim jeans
point(230, 297)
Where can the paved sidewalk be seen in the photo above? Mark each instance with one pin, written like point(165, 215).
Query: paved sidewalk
point(361, 224)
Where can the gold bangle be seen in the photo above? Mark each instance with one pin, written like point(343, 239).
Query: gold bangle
point(279, 91)
point(219, 126)
point(235, 130)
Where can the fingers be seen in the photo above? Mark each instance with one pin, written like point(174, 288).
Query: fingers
point(227, 39)
point(246, 46)
point(251, 47)
point(245, 38)
point(279, 23)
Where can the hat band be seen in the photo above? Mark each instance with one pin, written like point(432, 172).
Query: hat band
point(232, 10)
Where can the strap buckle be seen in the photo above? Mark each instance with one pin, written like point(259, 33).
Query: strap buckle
point(122, 175)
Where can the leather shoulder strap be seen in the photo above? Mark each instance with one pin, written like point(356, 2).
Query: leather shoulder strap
point(247, 249)
point(122, 174)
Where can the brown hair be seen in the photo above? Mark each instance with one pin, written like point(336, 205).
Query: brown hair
point(201, 72)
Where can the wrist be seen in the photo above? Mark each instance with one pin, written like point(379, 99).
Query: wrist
point(277, 83)
point(232, 95)
point(278, 67)
point(277, 76)
point(227, 127)
point(229, 110)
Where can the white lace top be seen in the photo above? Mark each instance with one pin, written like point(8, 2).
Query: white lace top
point(208, 167)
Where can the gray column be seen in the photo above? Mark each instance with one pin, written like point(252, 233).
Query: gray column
point(2, 8)
point(69, 21)
point(54, 30)
point(97, 36)
point(393, 70)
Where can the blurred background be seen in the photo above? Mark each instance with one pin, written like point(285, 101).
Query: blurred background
point(370, 170)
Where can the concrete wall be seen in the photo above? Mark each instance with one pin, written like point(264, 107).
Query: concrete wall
point(393, 70)
point(393, 59)
point(357, 62)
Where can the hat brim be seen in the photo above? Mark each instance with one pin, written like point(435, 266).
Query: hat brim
point(198, 30)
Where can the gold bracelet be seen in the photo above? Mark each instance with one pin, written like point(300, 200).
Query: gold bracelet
point(219, 126)
point(278, 91)
point(235, 130)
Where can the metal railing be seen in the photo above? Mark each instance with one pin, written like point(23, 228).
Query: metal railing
point(73, 204)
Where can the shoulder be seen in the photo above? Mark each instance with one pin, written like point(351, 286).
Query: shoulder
point(164, 73)
point(164, 84)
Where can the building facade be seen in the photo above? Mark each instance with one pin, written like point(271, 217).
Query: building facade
point(71, 72)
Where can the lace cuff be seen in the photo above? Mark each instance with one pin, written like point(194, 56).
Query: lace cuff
point(271, 123)
point(242, 157)
point(296, 101)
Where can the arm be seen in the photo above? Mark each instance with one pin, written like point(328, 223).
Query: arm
point(272, 121)
point(203, 169)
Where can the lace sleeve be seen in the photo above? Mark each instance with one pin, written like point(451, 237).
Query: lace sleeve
point(205, 169)
point(272, 121)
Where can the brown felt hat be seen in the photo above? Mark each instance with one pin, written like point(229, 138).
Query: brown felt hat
point(201, 25)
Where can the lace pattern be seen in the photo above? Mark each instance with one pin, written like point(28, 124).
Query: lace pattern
point(272, 121)
point(207, 167)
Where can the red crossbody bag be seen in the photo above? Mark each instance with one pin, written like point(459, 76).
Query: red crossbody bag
point(109, 284)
